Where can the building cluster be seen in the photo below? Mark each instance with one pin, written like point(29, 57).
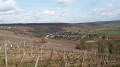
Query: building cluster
point(64, 34)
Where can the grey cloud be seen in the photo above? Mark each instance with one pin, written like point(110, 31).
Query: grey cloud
point(65, 1)
point(9, 6)
point(37, 16)
point(108, 10)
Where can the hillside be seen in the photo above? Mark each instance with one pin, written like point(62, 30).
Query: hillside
point(112, 28)
point(44, 28)
point(54, 41)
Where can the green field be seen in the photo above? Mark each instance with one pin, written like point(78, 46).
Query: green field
point(106, 32)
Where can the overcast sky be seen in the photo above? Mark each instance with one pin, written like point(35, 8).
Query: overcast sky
point(68, 11)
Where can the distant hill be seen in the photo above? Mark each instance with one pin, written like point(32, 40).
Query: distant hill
point(44, 28)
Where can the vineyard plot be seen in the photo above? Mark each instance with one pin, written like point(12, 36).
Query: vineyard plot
point(26, 54)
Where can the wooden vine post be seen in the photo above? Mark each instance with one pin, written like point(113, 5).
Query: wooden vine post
point(83, 61)
point(64, 56)
point(95, 57)
point(39, 57)
point(23, 50)
point(41, 53)
point(24, 43)
point(5, 47)
point(31, 50)
point(23, 56)
point(36, 63)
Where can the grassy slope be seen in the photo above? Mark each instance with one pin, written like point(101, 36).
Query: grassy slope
point(105, 32)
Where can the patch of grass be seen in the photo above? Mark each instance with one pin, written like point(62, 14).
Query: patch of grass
point(27, 65)
point(106, 32)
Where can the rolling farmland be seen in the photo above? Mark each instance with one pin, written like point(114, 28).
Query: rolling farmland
point(57, 45)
